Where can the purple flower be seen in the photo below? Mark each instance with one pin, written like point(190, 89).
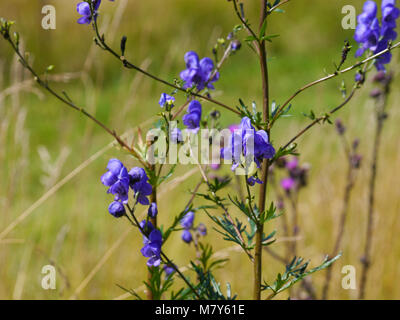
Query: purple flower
point(166, 100)
point(215, 166)
point(168, 270)
point(374, 37)
point(187, 220)
point(292, 165)
point(193, 117)
point(117, 179)
point(198, 73)
point(288, 184)
point(340, 128)
point(117, 209)
point(253, 180)
point(83, 9)
point(359, 77)
point(147, 227)
point(176, 135)
point(254, 145)
point(153, 211)
point(152, 248)
point(138, 182)
point(236, 45)
point(202, 229)
point(187, 236)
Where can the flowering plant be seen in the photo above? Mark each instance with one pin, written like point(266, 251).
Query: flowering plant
point(248, 148)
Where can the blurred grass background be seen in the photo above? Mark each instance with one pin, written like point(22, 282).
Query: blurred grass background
point(41, 142)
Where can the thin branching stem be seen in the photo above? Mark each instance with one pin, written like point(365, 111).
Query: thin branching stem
point(328, 77)
point(321, 119)
point(164, 256)
point(102, 43)
point(67, 101)
point(350, 179)
point(380, 115)
point(277, 6)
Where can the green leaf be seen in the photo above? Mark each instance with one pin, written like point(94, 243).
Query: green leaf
point(263, 28)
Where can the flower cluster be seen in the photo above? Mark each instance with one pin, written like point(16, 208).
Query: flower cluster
point(374, 36)
point(119, 180)
point(84, 10)
point(139, 184)
point(253, 145)
point(199, 73)
point(193, 116)
point(152, 244)
point(187, 224)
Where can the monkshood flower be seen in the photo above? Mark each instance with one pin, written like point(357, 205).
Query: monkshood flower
point(117, 209)
point(389, 16)
point(254, 145)
point(146, 226)
point(187, 236)
point(187, 224)
point(193, 116)
point(168, 270)
point(152, 248)
point(390, 13)
point(198, 72)
point(236, 45)
point(138, 182)
point(153, 211)
point(374, 37)
point(202, 229)
point(83, 9)
point(117, 179)
point(187, 220)
point(253, 180)
point(368, 30)
point(176, 135)
point(166, 100)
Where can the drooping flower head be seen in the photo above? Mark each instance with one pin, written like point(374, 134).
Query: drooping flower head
point(117, 209)
point(193, 116)
point(152, 248)
point(253, 145)
point(176, 135)
point(153, 210)
point(198, 72)
point(168, 270)
point(138, 182)
point(187, 220)
point(83, 9)
point(166, 100)
point(253, 180)
point(117, 179)
point(187, 224)
point(187, 236)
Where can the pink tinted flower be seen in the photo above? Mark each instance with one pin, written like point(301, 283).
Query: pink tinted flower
point(287, 184)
